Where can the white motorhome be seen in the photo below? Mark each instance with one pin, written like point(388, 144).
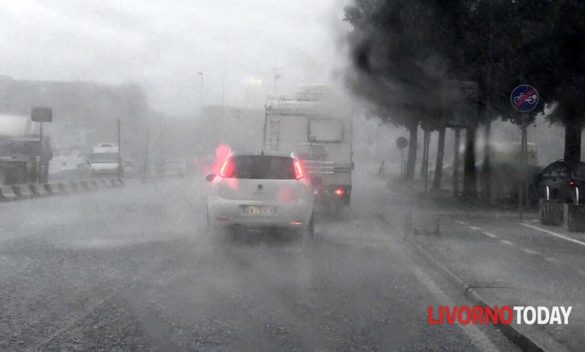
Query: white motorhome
point(105, 160)
point(315, 125)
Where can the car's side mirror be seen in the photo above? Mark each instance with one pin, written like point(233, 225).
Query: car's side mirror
point(210, 177)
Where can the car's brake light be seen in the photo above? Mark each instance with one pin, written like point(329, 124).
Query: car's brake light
point(340, 192)
point(572, 183)
point(299, 172)
point(227, 169)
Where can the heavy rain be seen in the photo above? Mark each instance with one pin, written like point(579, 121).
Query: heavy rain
point(335, 175)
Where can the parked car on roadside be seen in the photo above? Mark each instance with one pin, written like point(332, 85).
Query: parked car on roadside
point(562, 179)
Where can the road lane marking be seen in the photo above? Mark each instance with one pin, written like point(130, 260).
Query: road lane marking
point(461, 222)
point(489, 234)
point(552, 260)
point(506, 242)
point(477, 337)
point(554, 234)
point(530, 251)
point(474, 228)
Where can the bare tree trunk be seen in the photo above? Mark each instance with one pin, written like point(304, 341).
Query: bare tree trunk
point(469, 171)
point(486, 171)
point(424, 166)
point(573, 131)
point(456, 162)
point(440, 156)
point(413, 142)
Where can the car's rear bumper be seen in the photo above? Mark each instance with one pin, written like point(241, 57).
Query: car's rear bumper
point(229, 212)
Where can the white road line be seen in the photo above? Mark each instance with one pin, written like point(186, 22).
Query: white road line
point(461, 222)
point(558, 235)
point(507, 242)
point(530, 251)
point(477, 337)
point(489, 234)
point(474, 228)
point(552, 260)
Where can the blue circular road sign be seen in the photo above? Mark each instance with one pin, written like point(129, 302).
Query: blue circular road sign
point(524, 98)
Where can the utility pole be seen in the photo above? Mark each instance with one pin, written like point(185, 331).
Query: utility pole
point(40, 156)
point(146, 155)
point(200, 90)
point(120, 168)
point(223, 90)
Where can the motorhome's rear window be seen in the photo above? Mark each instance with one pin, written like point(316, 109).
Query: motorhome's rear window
point(325, 130)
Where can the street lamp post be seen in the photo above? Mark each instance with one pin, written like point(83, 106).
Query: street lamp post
point(200, 89)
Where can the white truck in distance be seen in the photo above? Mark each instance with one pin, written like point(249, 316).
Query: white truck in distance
point(105, 160)
point(316, 126)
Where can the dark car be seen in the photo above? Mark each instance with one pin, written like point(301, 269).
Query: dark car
point(562, 179)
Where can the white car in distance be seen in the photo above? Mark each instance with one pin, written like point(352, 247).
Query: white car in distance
point(261, 191)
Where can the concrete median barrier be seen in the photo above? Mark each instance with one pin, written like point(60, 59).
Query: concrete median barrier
point(48, 189)
point(574, 217)
point(34, 190)
point(551, 212)
point(56, 188)
point(7, 194)
point(23, 191)
point(39, 190)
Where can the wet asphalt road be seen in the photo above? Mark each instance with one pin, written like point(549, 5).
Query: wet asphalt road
point(134, 269)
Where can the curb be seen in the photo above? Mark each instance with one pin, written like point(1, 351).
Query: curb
point(521, 339)
point(31, 191)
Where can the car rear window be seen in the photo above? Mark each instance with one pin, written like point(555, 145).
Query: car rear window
point(263, 167)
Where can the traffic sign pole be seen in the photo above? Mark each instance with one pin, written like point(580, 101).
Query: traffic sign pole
point(522, 192)
point(524, 99)
point(401, 143)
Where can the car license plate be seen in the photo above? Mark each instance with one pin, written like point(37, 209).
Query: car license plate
point(258, 211)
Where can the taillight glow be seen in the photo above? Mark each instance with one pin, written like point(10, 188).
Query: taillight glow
point(299, 172)
point(227, 169)
point(340, 192)
point(572, 183)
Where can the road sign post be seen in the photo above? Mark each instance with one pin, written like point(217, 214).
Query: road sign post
point(401, 143)
point(40, 115)
point(524, 99)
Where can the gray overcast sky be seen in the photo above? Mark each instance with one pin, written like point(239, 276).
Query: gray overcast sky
point(163, 44)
